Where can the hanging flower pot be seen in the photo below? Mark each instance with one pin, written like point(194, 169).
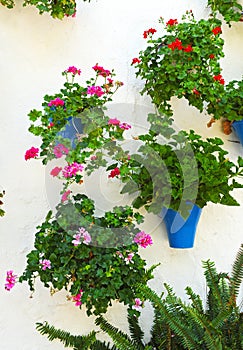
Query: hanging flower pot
point(73, 127)
point(238, 129)
point(181, 232)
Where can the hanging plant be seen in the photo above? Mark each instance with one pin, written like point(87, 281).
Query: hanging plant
point(182, 62)
point(230, 10)
point(95, 259)
point(57, 8)
point(228, 107)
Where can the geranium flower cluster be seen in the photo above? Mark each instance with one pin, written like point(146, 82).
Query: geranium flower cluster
point(95, 90)
point(219, 78)
point(31, 153)
point(117, 122)
point(77, 298)
point(149, 31)
point(101, 71)
point(45, 263)
point(127, 258)
point(60, 150)
point(83, 235)
point(114, 172)
point(10, 280)
point(143, 239)
point(72, 170)
point(177, 44)
point(73, 70)
point(138, 304)
point(57, 102)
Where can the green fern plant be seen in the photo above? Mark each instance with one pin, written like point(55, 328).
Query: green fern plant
point(218, 325)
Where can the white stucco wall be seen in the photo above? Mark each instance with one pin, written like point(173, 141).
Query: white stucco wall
point(34, 51)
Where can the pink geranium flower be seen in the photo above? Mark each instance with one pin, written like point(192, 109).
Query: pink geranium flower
point(59, 150)
point(55, 171)
point(46, 264)
point(10, 280)
point(113, 121)
point(72, 69)
point(81, 234)
point(31, 153)
point(72, 169)
point(143, 239)
point(101, 71)
point(95, 90)
point(77, 298)
point(57, 102)
point(129, 258)
point(65, 196)
point(138, 304)
point(77, 239)
point(125, 126)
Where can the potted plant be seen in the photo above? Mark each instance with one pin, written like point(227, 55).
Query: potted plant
point(183, 62)
point(57, 9)
point(95, 259)
point(231, 10)
point(177, 325)
point(181, 173)
point(228, 108)
point(74, 110)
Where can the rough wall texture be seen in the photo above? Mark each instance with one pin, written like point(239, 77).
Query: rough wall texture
point(34, 51)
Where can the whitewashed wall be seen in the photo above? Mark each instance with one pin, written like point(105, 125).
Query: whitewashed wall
point(34, 50)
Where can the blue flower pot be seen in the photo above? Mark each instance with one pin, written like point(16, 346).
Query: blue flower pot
point(73, 127)
point(181, 232)
point(238, 129)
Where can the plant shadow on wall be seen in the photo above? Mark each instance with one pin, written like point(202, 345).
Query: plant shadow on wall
point(177, 324)
point(57, 9)
point(96, 259)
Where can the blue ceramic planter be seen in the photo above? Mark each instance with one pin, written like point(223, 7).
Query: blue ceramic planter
point(72, 128)
point(181, 233)
point(238, 129)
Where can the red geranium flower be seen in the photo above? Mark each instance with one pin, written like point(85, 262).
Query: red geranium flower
point(188, 48)
point(136, 60)
point(219, 78)
point(31, 153)
point(172, 22)
point(195, 91)
point(217, 30)
point(149, 31)
point(114, 172)
point(177, 44)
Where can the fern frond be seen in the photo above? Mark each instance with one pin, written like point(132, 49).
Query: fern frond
point(237, 273)
point(135, 330)
point(173, 316)
point(210, 333)
point(215, 300)
point(120, 339)
point(195, 299)
point(77, 342)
